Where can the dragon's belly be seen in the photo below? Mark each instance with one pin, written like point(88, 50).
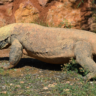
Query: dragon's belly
point(48, 52)
point(52, 58)
point(55, 56)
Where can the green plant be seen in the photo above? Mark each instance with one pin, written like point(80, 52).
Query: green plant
point(1, 70)
point(40, 22)
point(93, 1)
point(80, 3)
point(69, 66)
point(65, 23)
point(73, 66)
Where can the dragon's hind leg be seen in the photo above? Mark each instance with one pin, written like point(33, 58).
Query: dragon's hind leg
point(15, 54)
point(83, 53)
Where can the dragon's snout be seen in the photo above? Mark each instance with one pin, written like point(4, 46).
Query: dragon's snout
point(3, 44)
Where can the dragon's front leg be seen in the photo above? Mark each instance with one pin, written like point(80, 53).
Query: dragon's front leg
point(15, 54)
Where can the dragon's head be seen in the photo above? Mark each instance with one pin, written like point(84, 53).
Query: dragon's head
point(3, 44)
point(5, 33)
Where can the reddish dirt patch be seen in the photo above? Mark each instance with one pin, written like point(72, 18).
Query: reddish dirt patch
point(4, 53)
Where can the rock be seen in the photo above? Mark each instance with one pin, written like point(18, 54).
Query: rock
point(6, 14)
point(43, 2)
point(26, 13)
point(69, 14)
point(2, 2)
point(72, 1)
point(52, 85)
point(92, 19)
point(93, 27)
point(45, 88)
point(61, 15)
point(2, 20)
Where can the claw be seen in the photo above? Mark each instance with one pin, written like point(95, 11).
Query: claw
point(6, 66)
point(89, 76)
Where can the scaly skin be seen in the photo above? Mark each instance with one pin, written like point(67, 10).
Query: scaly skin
point(51, 45)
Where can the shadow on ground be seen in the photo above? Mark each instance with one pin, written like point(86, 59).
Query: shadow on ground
point(35, 63)
point(46, 66)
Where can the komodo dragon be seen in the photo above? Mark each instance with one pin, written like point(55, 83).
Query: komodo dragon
point(51, 45)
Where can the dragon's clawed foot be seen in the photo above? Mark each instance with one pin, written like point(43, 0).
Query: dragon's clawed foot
point(89, 76)
point(6, 66)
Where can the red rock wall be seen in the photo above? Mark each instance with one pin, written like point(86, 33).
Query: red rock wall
point(39, 10)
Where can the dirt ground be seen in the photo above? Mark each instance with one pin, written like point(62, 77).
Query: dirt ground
point(32, 77)
point(4, 53)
